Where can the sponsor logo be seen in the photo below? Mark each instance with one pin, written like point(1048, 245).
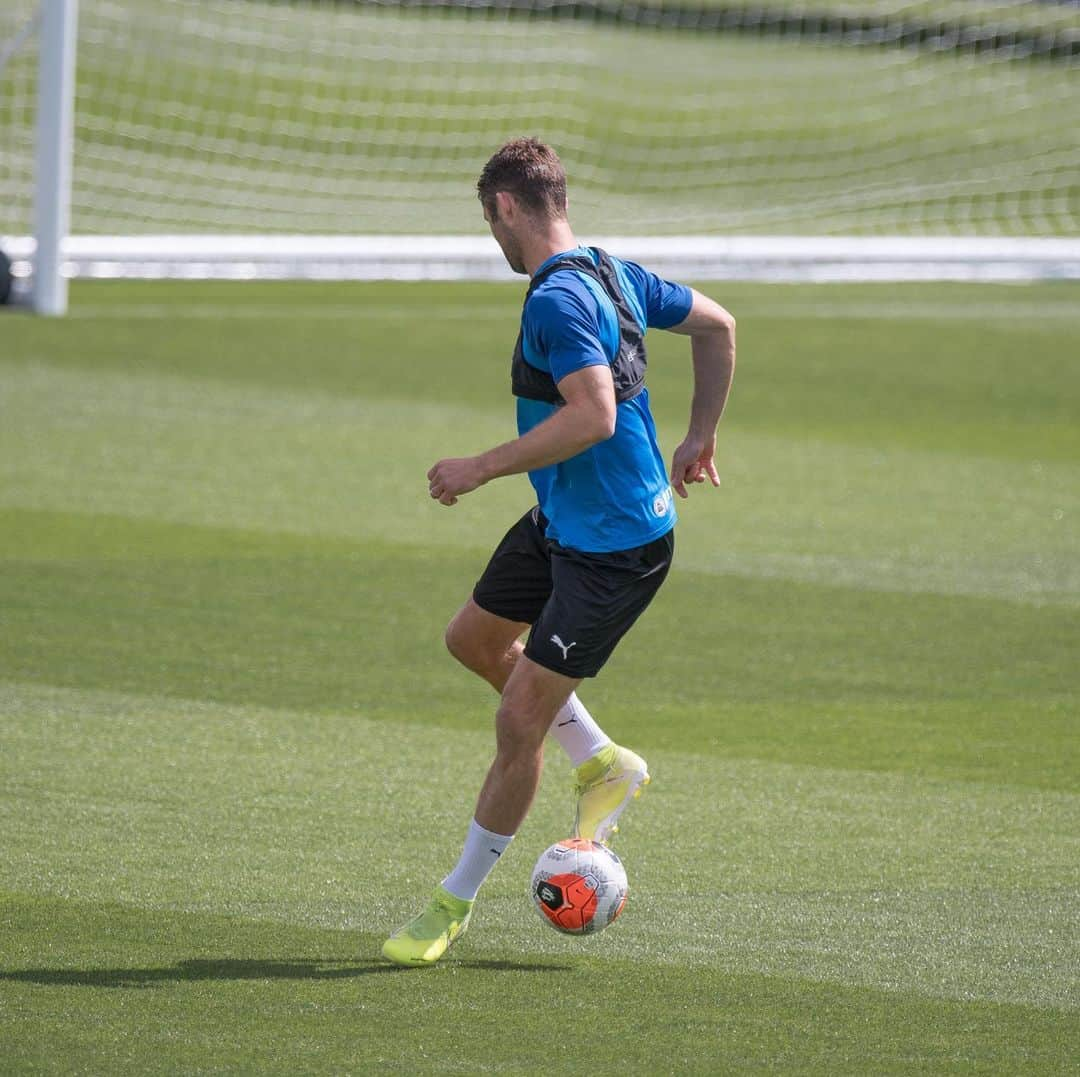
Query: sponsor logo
point(564, 647)
point(661, 505)
point(550, 895)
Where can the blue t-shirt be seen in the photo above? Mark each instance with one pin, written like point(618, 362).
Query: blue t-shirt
point(615, 495)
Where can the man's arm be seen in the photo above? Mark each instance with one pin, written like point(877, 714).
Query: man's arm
point(712, 347)
point(587, 417)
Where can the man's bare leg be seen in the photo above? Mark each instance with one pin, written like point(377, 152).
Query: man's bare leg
point(531, 698)
point(484, 643)
point(490, 646)
point(534, 700)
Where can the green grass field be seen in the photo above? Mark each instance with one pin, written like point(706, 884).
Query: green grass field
point(234, 754)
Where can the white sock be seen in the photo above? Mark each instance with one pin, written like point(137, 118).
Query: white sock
point(481, 853)
point(577, 732)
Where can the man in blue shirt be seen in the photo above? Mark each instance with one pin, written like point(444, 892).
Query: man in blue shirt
point(580, 567)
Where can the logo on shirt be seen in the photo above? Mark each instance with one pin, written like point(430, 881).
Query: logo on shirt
point(661, 505)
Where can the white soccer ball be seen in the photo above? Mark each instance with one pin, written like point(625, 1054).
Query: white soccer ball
point(578, 886)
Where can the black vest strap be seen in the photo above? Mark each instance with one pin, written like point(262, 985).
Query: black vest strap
point(628, 367)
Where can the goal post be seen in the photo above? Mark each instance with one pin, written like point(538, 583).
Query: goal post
point(55, 124)
point(342, 138)
point(37, 107)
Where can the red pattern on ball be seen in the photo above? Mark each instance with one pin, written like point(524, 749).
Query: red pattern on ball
point(579, 901)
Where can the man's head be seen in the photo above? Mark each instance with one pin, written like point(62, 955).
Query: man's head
point(522, 189)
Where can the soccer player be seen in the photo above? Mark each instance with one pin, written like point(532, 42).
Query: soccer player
point(578, 569)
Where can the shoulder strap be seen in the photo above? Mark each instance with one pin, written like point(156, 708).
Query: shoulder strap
point(628, 367)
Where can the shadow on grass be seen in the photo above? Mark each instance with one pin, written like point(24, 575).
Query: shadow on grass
point(241, 969)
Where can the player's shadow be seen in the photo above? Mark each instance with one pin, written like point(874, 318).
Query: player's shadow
point(237, 969)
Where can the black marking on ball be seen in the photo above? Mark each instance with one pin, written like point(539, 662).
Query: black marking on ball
point(550, 895)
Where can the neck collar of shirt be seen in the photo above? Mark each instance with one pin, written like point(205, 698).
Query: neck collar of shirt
point(562, 254)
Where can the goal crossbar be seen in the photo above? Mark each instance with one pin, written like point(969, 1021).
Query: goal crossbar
point(375, 257)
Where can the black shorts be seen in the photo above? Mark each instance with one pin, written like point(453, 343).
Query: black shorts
point(579, 604)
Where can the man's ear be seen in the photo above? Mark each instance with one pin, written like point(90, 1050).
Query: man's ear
point(505, 205)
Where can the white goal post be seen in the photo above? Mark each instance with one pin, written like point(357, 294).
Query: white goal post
point(55, 122)
point(340, 139)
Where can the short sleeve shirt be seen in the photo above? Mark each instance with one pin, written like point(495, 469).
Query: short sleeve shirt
point(615, 495)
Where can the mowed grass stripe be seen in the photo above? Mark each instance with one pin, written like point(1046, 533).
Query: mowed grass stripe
point(944, 312)
point(221, 993)
point(952, 300)
point(1030, 303)
point(954, 386)
point(946, 889)
point(785, 671)
point(221, 453)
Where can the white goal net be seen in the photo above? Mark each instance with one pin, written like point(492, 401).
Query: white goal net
point(332, 118)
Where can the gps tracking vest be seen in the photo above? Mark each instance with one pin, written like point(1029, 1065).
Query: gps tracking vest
point(628, 367)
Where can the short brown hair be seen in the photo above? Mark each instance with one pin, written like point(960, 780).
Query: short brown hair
point(529, 170)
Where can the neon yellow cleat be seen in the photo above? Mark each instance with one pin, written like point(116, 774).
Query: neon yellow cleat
point(424, 940)
point(605, 786)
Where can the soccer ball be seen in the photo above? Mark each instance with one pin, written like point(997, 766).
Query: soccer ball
point(579, 886)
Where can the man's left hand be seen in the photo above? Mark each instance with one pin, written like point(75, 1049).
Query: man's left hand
point(693, 462)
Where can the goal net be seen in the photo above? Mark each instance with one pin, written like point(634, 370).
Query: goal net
point(329, 118)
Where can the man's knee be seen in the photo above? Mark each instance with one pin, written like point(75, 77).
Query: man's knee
point(462, 643)
point(483, 643)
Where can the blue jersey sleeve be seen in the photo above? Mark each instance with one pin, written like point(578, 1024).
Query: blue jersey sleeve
point(566, 327)
point(666, 303)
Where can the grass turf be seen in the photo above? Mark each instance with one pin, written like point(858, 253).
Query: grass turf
point(235, 754)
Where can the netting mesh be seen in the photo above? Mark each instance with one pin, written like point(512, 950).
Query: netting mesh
point(321, 117)
point(18, 104)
